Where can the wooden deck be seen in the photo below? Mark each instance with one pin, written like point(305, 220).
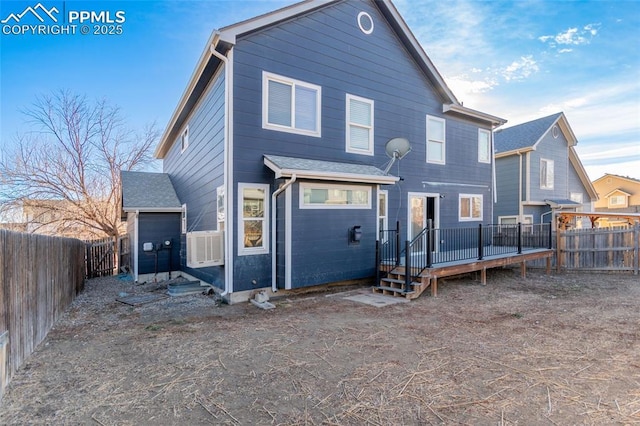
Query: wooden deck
point(394, 285)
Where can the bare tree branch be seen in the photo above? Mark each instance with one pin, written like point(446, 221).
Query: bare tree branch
point(65, 173)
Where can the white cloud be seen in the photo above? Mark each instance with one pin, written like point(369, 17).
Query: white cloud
point(519, 70)
point(572, 36)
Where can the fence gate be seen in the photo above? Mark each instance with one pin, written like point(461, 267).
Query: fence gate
point(100, 258)
point(600, 249)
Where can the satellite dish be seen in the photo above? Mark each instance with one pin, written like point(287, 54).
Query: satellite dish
point(396, 149)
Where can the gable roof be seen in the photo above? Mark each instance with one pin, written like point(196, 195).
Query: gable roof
point(221, 41)
point(524, 137)
point(148, 192)
point(327, 170)
point(606, 175)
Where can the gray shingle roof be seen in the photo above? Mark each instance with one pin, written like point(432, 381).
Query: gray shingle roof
point(523, 135)
point(148, 191)
point(330, 170)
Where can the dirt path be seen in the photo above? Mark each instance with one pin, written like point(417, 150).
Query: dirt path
point(560, 349)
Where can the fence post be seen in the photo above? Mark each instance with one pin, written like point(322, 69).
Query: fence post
point(550, 236)
point(429, 243)
point(407, 272)
point(519, 237)
point(636, 249)
point(378, 261)
point(480, 243)
point(4, 377)
point(398, 243)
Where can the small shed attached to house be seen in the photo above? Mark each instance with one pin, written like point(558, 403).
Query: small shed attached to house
point(153, 214)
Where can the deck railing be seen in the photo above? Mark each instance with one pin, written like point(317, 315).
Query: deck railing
point(434, 246)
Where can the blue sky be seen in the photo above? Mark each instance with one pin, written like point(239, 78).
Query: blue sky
point(517, 60)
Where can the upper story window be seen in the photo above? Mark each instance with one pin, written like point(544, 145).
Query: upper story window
point(470, 207)
point(359, 121)
point(184, 139)
point(290, 105)
point(484, 146)
point(435, 140)
point(617, 201)
point(546, 174)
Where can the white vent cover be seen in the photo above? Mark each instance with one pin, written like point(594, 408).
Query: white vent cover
point(205, 248)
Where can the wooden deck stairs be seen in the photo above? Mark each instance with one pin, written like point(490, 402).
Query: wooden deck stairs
point(394, 284)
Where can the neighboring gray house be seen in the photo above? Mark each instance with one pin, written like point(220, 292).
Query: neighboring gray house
point(538, 172)
point(277, 149)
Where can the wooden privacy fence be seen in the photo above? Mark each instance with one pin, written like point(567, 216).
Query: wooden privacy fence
point(39, 277)
point(599, 249)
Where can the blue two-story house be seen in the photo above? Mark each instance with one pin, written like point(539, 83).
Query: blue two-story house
point(281, 150)
point(538, 172)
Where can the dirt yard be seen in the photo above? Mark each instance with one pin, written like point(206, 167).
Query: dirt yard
point(559, 350)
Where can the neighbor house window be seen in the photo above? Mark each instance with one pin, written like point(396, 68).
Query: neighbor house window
point(359, 121)
point(183, 219)
point(435, 140)
point(617, 201)
point(290, 105)
point(546, 174)
point(321, 196)
point(484, 146)
point(253, 212)
point(220, 207)
point(184, 139)
point(470, 207)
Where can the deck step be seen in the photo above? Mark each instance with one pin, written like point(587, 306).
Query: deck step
point(400, 291)
point(399, 282)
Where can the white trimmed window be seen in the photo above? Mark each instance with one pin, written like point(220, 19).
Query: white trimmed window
point(359, 121)
point(618, 201)
point(546, 174)
point(183, 219)
point(253, 218)
point(184, 139)
point(436, 144)
point(328, 196)
point(290, 105)
point(484, 146)
point(470, 207)
point(220, 207)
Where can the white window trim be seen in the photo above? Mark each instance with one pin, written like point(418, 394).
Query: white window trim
point(183, 219)
point(184, 139)
point(348, 122)
point(242, 250)
point(544, 184)
point(470, 218)
point(266, 77)
point(524, 218)
point(385, 218)
point(623, 204)
point(489, 153)
point(302, 204)
point(443, 142)
point(220, 218)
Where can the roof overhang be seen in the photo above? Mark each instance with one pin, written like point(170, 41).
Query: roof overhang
point(472, 113)
point(325, 170)
point(514, 152)
point(617, 191)
point(562, 204)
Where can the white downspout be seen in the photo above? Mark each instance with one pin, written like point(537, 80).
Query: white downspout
point(228, 191)
point(520, 208)
point(274, 284)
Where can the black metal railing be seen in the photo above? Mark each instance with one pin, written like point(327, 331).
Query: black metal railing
point(433, 246)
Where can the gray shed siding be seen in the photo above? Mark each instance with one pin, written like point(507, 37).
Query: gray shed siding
point(198, 171)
